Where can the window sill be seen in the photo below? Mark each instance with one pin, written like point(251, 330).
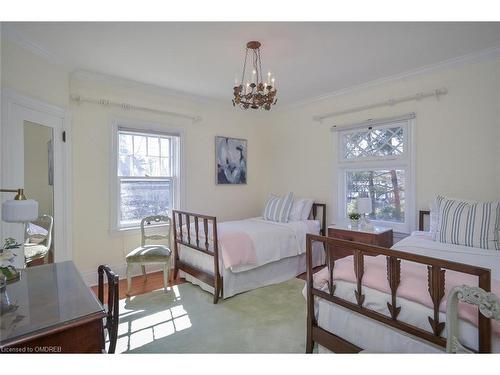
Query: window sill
point(136, 231)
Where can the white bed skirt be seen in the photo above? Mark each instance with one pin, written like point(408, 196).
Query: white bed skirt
point(367, 333)
point(376, 337)
point(239, 282)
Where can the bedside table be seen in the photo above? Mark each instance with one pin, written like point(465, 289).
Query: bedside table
point(379, 236)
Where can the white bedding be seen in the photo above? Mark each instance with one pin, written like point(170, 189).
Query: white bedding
point(272, 240)
point(280, 252)
point(376, 337)
point(268, 274)
point(422, 243)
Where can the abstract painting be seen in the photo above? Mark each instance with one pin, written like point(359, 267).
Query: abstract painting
point(231, 158)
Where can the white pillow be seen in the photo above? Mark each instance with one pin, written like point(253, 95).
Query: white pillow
point(306, 210)
point(434, 216)
point(296, 211)
point(468, 223)
point(278, 208)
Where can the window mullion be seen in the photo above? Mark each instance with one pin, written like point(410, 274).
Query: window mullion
point(363, 155)
point(145, 195)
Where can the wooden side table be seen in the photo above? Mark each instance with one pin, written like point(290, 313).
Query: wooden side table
point(379, 236)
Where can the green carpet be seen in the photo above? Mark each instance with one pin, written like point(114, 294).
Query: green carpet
point(184, 320)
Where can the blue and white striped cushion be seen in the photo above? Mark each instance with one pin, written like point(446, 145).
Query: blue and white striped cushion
point(278, 208)
point(467, 223)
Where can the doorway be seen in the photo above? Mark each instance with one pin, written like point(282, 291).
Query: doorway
point(35, 156)
point(39, 184)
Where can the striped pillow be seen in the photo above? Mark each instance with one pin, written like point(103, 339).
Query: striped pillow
point(468, 223)
point(278, 208)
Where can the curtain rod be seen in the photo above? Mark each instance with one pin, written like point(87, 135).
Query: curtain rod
point(421, 95)
point(373, 122)
point(130, 107)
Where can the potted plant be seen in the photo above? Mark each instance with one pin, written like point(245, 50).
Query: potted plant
point(354, 217)
point(6, 258)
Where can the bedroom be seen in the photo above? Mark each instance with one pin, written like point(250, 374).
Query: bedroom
point(408, 106)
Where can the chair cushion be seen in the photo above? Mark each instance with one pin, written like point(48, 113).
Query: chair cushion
point(149, 253)
point(35, 251)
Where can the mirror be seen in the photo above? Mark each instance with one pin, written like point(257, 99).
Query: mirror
point(39, 185)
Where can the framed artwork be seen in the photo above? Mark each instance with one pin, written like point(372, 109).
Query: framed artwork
point(231, 160)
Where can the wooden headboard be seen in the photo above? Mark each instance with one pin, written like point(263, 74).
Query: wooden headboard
point(421, 219)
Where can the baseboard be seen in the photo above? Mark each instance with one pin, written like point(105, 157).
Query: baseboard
point(90, 276)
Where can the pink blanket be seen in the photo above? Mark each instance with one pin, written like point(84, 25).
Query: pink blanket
point(237, 249)
point(413, 286)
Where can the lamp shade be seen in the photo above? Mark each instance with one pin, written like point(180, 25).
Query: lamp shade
point(19, 211)
point(364, 205)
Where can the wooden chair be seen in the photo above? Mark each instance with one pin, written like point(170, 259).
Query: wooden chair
point(151, 254)
point(112, 309)
point(37, 246)
point(488, 304)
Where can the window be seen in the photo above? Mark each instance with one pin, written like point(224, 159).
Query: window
point(147, 170)
point(375, 162)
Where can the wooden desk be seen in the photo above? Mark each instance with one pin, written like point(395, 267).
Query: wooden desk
point(56, 313)
point(378, 236)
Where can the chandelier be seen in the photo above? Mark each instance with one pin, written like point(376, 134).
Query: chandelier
point(255, 93)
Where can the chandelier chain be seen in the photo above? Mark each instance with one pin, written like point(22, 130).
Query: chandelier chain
point(260, 67)
point(244, 67)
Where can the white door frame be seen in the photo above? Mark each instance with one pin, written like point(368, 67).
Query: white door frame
point(17, 108)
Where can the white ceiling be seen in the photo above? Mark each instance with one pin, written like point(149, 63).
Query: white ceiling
point(308, 59)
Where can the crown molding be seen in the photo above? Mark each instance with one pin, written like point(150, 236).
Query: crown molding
point(19, 39)
point(14, 36)
point(483, 55)
point(116, 81)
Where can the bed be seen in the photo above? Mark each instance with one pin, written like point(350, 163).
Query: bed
point(236, 256)
point(394, 300)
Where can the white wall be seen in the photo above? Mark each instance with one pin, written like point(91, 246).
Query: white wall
point(457, 144)
point(93, 242)
point(457, 137)
point(33, 75)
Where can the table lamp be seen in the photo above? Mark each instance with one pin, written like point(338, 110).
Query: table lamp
point(19, 210)
point(364, 208)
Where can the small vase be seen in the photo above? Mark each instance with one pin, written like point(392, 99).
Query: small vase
point(354, 224)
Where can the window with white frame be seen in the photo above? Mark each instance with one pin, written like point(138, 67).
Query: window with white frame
point(147, 171)
point(375, 162)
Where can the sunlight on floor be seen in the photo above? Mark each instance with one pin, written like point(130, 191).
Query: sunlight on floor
point(138, 328)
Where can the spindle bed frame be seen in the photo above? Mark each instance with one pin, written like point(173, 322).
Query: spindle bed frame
point(436, 288)
point(193, 241)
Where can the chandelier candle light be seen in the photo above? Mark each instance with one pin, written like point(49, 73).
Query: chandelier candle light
point(256, 93)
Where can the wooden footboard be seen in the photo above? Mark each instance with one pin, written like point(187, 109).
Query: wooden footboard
point(201, 238)
point(436, 288)
point(199, 232)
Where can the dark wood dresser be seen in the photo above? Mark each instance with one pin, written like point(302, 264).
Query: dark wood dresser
point(379, 236)
point(53, 312)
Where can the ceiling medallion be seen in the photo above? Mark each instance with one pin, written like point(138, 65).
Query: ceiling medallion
point(255, 93)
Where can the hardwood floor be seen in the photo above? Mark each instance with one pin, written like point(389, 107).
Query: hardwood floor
point(155, 281)
point(141, 285)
